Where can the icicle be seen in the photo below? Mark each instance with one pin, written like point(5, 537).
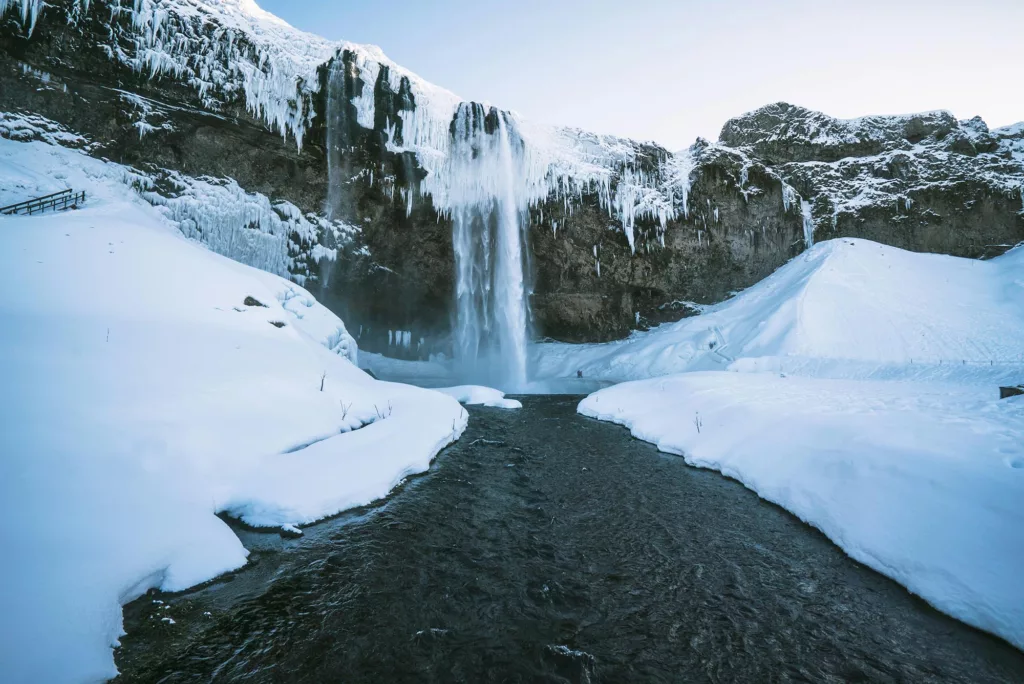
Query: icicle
point(805, 209)
point(789, 196)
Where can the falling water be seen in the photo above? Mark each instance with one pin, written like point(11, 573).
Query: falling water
point(343, 80)
point(805, 211)
point(489, 211)
point(482, 185)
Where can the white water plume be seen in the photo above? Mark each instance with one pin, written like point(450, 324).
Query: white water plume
point(489, 207)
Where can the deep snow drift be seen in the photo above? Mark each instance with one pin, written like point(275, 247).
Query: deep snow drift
point(863, 398)
point(147, 385)
point(845, 308)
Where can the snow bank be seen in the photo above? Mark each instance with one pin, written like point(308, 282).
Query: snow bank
point(862, 396)
point(149, 384)
point(922, 482)
point(846, 308)
point(475, 395)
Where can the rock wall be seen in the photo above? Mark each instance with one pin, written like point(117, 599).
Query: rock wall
point(924, 182)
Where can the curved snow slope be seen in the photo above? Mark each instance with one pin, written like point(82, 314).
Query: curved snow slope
point(141, 396)
point(905, 457)
point(248, 227)
point(922, 482)
point(846, 306)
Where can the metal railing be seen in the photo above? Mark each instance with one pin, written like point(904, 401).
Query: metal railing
point(58, 201)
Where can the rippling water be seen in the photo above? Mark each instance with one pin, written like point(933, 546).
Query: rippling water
point(546, 547)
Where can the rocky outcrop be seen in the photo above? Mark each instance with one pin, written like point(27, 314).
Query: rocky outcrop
point(346, 151)
point(923, 182)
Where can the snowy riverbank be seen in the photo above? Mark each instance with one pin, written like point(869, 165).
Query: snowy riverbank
point(857, 388)
point(921, 482)
point(150, 384)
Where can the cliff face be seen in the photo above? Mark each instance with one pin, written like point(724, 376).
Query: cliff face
point(348, 160)
point(923, 182)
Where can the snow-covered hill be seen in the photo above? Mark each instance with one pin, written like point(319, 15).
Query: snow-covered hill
point(846, 307)
point(149, 384)
point(858, 388)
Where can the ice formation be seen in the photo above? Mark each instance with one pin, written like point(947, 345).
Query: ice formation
point(248, 227)
point(233, 53)
point(805, 210)
point(485, 169)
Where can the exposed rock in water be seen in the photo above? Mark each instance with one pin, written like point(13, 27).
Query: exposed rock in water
point(621, 234)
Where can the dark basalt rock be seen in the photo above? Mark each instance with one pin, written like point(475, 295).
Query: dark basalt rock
point(1007, 392)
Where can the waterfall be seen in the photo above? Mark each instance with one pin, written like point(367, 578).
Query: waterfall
point(342, 82)
point(489, 210)
point(483, 184)
point(805, 211)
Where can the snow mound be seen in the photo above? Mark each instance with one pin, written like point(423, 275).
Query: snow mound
point(475, 395)
point(879, 421)
point(922, 482)
point(845, 306)
point(150, 384)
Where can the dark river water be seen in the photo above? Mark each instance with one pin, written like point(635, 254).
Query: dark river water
point(547, 547)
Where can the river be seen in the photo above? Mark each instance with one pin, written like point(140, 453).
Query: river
point(548, 547)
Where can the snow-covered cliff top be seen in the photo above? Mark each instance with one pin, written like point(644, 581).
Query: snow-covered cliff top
point(789, 133)
point(233, 52)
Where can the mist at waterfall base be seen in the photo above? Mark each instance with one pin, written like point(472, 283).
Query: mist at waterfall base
point(484, 181)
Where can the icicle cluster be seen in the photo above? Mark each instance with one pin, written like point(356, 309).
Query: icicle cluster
point(224, 49)
point(230, 50)
point(805, 210)
point(246, 227)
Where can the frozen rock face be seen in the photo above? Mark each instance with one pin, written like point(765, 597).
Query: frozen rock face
point(924, 182)
point(783, 132)
point(360, 155)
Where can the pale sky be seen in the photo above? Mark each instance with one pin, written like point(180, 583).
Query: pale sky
point(672, 70)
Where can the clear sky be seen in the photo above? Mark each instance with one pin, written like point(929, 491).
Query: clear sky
point(672, 70)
